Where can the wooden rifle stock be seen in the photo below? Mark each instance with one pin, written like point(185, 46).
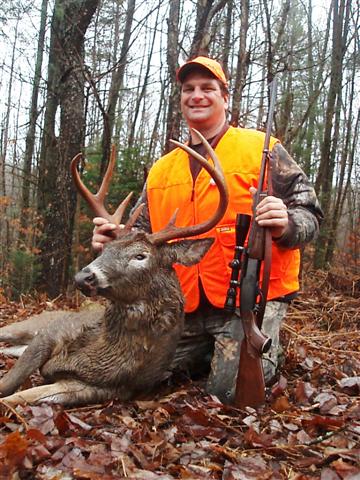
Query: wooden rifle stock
point(250, 383)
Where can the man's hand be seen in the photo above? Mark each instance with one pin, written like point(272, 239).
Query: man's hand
point(103, 232)
point(272, 212)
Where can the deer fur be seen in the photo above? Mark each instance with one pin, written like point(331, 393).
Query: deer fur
point(96, 355)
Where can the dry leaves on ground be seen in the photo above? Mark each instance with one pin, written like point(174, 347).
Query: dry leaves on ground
point(309, 428)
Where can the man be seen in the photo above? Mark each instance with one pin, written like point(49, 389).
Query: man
point(175, 181)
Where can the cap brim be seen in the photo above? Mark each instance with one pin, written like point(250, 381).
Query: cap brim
point(188, 67)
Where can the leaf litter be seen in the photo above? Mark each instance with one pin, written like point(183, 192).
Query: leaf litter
point(308, 429)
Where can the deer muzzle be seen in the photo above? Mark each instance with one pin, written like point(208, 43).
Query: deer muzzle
point(87, 282)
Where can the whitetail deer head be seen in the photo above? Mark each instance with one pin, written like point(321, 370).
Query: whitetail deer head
point(139, 255)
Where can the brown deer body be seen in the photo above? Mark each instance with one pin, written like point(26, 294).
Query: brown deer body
point(93, 356)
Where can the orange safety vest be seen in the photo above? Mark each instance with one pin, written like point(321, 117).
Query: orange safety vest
point(170, 186)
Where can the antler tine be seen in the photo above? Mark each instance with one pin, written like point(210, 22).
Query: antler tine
point(119, 212)
point(96, 201)
point(134, 216)
point(171, 231)
point(95, 204)
point(101, 194)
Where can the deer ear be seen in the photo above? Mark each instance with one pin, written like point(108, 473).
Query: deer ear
point(188, 252)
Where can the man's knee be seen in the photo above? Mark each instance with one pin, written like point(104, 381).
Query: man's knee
point(274, 315)
point(225, 362)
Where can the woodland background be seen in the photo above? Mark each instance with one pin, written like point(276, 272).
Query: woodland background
point(79, 75)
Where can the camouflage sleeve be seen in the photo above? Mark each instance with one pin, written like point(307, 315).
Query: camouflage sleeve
point(143, 220)
point(291, 184)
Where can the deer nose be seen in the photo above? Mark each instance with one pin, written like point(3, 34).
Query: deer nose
point(86, 281)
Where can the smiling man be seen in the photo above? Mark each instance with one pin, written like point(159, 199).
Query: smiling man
point(212, 338)
point(204, 102)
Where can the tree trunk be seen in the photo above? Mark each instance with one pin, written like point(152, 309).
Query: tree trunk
point(227, 35)
point(140, 96)
point(269, 44)
point(56, 194)
point(154, 139)
point(311, 119)
point(173, 117)
point(205, 12)
point(4, 199)
point(243, 61)
point(117, 80)
point(315, 83)
point(30, 135)
point(286, 108)
point(346, 165)
point(323, 184)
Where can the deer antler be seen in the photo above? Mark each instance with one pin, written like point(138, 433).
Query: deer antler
point(96, 201)
point(171, 231)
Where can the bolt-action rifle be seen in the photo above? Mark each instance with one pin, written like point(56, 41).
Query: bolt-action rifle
point(245, 275)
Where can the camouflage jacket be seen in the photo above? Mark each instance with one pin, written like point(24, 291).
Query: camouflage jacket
point(290, 184)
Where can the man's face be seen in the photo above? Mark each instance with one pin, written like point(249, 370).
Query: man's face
point(203, 103)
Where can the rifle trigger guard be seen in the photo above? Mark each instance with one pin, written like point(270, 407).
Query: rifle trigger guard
point(266, 345)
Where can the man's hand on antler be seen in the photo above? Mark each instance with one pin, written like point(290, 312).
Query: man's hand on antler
point(103, 232)
point(272, 212)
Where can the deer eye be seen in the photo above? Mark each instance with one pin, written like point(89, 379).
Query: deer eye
point(140, 256)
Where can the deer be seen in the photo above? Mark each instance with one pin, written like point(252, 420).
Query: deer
point(124, 349)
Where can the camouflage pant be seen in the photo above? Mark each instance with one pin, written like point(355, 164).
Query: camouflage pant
point(210, 332)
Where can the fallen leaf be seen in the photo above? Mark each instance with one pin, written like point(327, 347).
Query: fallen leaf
point(281, 404)
point(350, 385)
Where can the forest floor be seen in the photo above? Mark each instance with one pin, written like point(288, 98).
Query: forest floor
point(308, 429)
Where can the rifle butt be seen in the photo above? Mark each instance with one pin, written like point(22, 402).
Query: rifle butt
point(250, 384)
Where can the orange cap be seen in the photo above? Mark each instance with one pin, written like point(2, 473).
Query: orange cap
point(209, 64)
